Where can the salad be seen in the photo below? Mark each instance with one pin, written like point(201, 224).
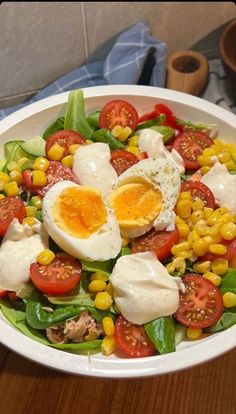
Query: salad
point(118, 231)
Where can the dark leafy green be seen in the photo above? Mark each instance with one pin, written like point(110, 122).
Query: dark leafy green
point(57, 125)
point(228, 283)
point(75, 118)
point(161, 331)
point(82, 346)
point(93, 119)
point(104, 135)
point(227, 320)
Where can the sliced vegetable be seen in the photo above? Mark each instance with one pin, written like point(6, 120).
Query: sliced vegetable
point(10, 208)
point(75, 118)
point(121, 160)
point(190, 145)
point(64, 138)
point(34, 147)
point(162, 334)
point(200, 190)
point(133, 339)
point(118, 112)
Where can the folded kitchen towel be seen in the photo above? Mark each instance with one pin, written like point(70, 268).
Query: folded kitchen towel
point(135, 58)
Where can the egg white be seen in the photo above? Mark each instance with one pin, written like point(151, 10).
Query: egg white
point(103, 244)
point(164, 175)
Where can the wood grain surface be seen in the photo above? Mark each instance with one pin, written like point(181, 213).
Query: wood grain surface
point(28, 388)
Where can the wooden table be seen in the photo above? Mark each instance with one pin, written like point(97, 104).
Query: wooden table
point(28, 388)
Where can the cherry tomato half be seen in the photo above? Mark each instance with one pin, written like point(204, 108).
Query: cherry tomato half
point(160, 242)
point(201, 305)
point(133, 339)
point(57, 278)
point(121, 160)
point(190, 145)
point(64, 138)
point(10, 208)
point(3, 293)
point(118, 113)
point(200, 190)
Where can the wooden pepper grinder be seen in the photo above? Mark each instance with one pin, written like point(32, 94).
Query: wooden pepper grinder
point(187, 71)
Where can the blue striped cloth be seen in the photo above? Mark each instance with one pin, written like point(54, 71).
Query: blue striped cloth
point(135, 58)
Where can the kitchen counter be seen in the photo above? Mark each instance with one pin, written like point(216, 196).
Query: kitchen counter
point(28, 388)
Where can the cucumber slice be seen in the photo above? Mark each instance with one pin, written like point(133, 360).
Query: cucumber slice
point(2, 164)
point(34, 147)
point(14, 152)
point(10, 145)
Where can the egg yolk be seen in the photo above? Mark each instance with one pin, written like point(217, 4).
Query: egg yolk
point(136, 204)
point(80, 211)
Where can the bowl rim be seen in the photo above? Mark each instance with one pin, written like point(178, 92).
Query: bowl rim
point(106, 367)
point(223, 54)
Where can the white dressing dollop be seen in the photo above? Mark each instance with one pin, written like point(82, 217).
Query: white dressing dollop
point(20, 247)
point(151, 142)
point(222, 184)
point(143, 289)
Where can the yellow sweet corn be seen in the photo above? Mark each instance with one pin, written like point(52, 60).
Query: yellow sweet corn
point(180, 247)
point(134, 150)
point(103, 300)
point(68, 161)
point(108, 326)
point(56, 152)
point(30, 221)
point(41, 163)
point(13, 165)
point(183, 208)
point(73, 148)
point(202, 267)
point(108, 345)
point(45, 257)
point(30, 211)
point(229, 299)
point(16, 176)
point(200, 247)
point(4, 179)
point(97, 286)
point(219, 249)
point(39, 178)
point(11, 189)
point(213, 278)
point(2, 196)
point(220, 266)
point(97, 276)
point(194, 333)
point(228, 231)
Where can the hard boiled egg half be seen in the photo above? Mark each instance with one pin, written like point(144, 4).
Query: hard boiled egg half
point(78, 220)
point(145, 196)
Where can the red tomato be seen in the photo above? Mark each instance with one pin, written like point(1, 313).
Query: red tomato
point(64, 138)
point(171, 121)
point(3, 293)
point(160, 242)
point(12, 296)
point(57, 278)
point(190, 145)
point(118, 113)
point(147, 117)
point(143, 156)
point(56, 172)
point(10, 208)
point(198, 189)
point(121, 160)
point(201, 305)
point(133, 339)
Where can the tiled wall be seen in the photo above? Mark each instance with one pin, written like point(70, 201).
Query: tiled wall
point(40, 41)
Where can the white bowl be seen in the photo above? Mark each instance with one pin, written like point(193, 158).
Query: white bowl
point(33, 120)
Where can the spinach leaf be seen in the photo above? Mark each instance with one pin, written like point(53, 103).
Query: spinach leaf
point(227, 320)
point(82, 299)
point(103, 267)
point(161, 331)
point(104, 135)
point(228, 283)
point(57, 125)
point(93, 119)
point(83, 346)
point(75, 118)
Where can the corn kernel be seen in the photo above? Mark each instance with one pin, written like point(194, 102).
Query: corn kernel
point(11, 189)
point(39, 178)
point(125, 241)
point(179, 220)
point(230, 165)
point(56, 152)
point(205, 169)
point(229, 299)
point(2, 196)
point(89, 142)
point(228, 231)
point(108, 326)
point(16, 176)
point(202, 267)
point(197, 204)
point(30, 221)
point(22, 161)
point(30, 211)
point(116, 130)
point(37, 202)
point(45, 257)
point(183, 230)
point(214, 231)
point(213, 278)
point(68, 161)
point(110, 289)
point(97, 286)
point(200, 247)
point(183, 208)
point(180, 264)
point(194, 333)
point(108, 345)
point(133, 141)
point(73, 148)
point(219, 249)
point(184, 254)
point(97, 276)
point(121, 133)
point(201, 228)
point(197, 215)
point(220, 266)
point(222, 210)
point(224, 157)
point(193, 236)
point(41, 163)
point(13, 165)
point(207, 212)
point(170, 267)
point(103, 300)
point(226, 218)
point(185, 195)
point(204, 160)
point(4, 179)
point(180, 247)
point(213, 218)
point(134, 150)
